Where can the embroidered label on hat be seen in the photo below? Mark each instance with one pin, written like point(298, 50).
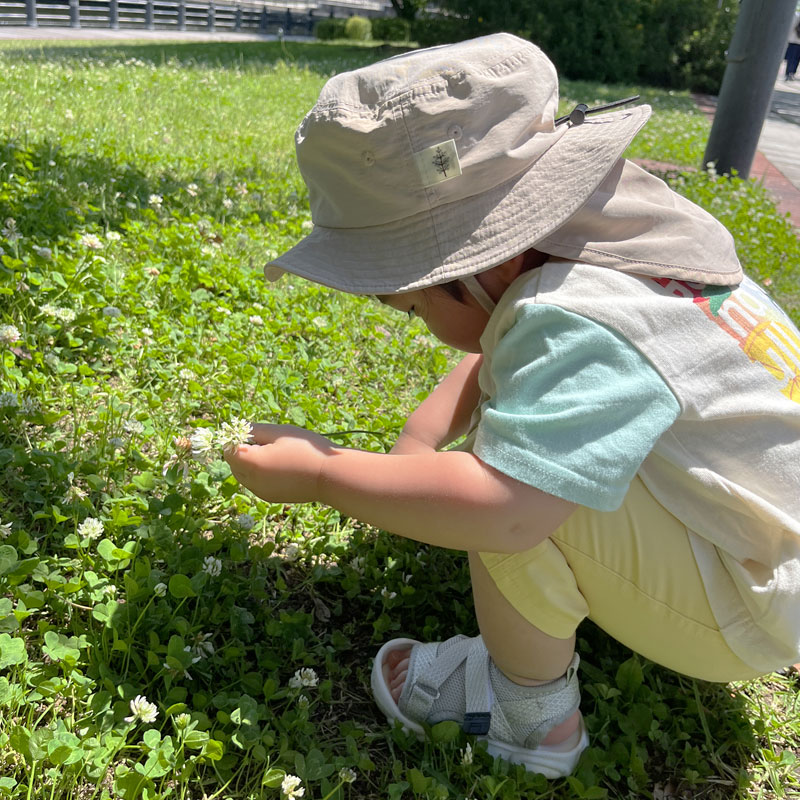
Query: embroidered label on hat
point(438, 163)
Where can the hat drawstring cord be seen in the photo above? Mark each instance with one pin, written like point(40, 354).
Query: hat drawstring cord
point(578, 114)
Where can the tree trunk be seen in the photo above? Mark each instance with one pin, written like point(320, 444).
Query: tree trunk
point(405, 9)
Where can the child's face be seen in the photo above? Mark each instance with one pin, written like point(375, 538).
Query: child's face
point(458, 323)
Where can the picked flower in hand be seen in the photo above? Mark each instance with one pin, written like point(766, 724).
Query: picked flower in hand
point(232, 434)
point(228, 437)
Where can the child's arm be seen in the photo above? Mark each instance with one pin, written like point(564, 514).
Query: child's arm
point(444, 415)
point(450, 499)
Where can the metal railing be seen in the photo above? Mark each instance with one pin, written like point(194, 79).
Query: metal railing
point(293, 17)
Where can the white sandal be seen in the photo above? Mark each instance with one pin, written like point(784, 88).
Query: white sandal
point(512, 719)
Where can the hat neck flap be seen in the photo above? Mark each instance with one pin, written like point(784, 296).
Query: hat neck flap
point(635, 223)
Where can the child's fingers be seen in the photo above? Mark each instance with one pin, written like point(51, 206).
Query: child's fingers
point(265, 433)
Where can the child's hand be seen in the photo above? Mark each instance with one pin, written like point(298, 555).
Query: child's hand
point(284, 465)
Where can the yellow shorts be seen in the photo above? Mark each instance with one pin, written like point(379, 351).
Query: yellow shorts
point(633, 573)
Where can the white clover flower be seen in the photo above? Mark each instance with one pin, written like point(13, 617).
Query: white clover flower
point(90, 528)
point(91, 241)
point(43, 252)
point(291, 552)
point(142, 710)
point(303, 702)
point(176, 671)
point(160, 589)
point(186, 375)
point(305, 677)
point(64, 314)
point(212, 566)
point(202, 441)
point(68, 115)
point(466, 755)
point(246, 522)
point(357, 564)
point(74, 493)
point(387, 595)
point(226, 312)
point(8, 400)
point(232, 434)
point(155, 200)
point(191, 190)
point(113, 236)
point(307, 225)
point(241, 189)
point(5, 529)
point(188, 649)
point(202, 648)
point(30, 406)
point(133, 426)
point(255, 319)
point(227, 203)
point(9, 334)
point(111, 311)
point(347, 775)
point(130, 205)
point(110, 590)
point(181, 721)
point(291, 788)
point(83, 185)
point(10, 230)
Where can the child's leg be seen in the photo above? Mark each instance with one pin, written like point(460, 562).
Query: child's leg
point(523, 652)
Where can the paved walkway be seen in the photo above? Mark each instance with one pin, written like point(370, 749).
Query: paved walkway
point(777, 162)
point(64, 33)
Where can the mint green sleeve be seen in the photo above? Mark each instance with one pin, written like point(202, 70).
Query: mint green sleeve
point(577, 407)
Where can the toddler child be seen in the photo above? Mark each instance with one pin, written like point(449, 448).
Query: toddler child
point(631, 401)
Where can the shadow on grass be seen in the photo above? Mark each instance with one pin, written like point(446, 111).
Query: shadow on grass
point(51, 193)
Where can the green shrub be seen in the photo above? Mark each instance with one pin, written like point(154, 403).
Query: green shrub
point(675, 43)
point(358, 28)
point(328, 29)
point(391, 29)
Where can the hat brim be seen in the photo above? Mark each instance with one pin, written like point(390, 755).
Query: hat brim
point(473, 234)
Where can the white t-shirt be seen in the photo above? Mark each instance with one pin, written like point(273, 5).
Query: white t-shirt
point(793, 37)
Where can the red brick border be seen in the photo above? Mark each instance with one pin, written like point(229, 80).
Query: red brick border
point(785, 194)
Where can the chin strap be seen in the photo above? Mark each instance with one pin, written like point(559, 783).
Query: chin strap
point(578, 114)
point(479, 293)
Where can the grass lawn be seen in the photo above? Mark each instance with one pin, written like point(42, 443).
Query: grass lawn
point(142, 187)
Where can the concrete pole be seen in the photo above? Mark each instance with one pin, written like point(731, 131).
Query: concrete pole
point(755, 53)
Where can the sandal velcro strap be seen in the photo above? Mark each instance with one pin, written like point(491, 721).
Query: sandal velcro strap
point(477, 723)
point(425, 690)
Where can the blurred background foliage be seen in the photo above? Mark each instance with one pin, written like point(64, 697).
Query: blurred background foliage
point(677, 44)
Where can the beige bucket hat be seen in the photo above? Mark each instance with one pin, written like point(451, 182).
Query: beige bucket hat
point(444, 162)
